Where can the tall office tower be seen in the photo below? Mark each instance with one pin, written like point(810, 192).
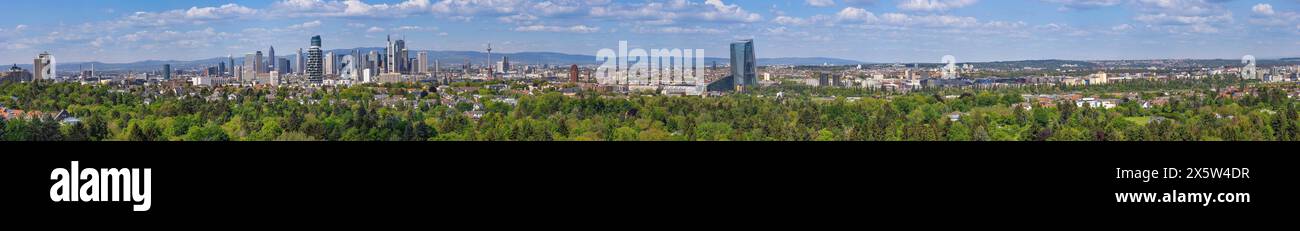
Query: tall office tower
point(376, 62)
point(573, 73)
point(385, 66)
point(167, 72)
point(260, 63)
point(422, 63)
point(45, 67)
point(405, 66)
point(232, 64)
point(410, 65)
point(251, 62)
point(272, 61)
point(505, 65)
point(358, 64)
point(283, 66)
point(331, 65)
point(300, 66)
point(397, 56)
point(238, 71)
point(744, 71)
point(315, 72)
point(221, 68)
point(436, 69)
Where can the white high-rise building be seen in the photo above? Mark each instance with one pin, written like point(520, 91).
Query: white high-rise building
point(301, 64)
point(331, 66)
point(251, 63)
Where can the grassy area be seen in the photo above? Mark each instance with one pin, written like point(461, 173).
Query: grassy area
point(1139, 120)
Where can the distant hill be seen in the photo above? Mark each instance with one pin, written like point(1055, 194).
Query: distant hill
point(808, 61)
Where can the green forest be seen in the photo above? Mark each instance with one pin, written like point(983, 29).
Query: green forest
point(800, 114)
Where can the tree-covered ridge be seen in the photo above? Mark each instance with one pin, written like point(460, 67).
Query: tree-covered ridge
point(1196, 110)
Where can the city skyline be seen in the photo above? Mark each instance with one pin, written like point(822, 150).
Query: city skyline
point(863, 30)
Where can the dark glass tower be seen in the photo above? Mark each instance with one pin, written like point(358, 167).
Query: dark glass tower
point(744, 71)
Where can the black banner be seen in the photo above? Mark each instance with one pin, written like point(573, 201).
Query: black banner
point(229, 184)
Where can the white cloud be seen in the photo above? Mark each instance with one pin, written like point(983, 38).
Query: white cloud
point(1264, 14)
point(375, 29)
point(678, 30)
point(674, 11)
point(1122, 27)
point(571, 29)
point(306, 25)
point(1084, 4)
point(820, 3)
point(934, 5)
point(787, 20)
point(193, 15)
point(1184, 16)
point(1263, 8)
point(166, 39)
point(725, 12)
point(855, 15)
point(414, 28)
point(350, 8)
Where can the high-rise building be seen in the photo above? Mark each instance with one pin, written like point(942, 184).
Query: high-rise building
point(260, 63)
point(283, 66)
point(238, 72)
point(272, 61)
point(436, 69)
point(221, 68)
point(251, 62)
point(45, 66)
point(167, 72)
point(300, 65)
point(374, 63)
point(397, 57)
point(232, 64)
point(573, 73)
point(359, 62)
point(315, 72)
point(505, 65)
point(331, 65)
point(744, 71)
point(422, 63)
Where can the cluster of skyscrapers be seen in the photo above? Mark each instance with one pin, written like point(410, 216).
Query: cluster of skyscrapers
point(316, 64)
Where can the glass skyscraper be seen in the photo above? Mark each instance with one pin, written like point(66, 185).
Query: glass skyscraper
point(744, 71)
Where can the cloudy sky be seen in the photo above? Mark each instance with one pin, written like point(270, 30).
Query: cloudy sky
point(865, 30)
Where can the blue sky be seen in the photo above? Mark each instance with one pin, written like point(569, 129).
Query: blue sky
point(865, 30)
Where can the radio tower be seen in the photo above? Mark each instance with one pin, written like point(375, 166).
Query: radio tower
point(492, 74)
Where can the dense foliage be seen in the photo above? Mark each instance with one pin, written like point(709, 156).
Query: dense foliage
point(355, 114)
